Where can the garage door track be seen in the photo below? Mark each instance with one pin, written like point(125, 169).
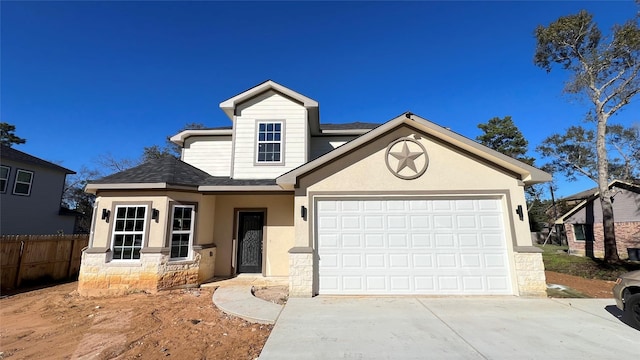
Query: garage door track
point(450, 328)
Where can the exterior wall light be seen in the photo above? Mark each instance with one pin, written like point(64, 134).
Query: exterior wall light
point(105, 214)
point(155, 214)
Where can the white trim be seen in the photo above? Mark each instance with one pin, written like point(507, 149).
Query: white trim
point(115, 232)
point(16, 182)
point(92, 188)
point(189, 232)
point(240, 188)
point(6, 179)
point(281, 142)
point(527, 173)
point(180, 137)
point(229, 105)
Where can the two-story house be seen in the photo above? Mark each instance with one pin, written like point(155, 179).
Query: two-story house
point(403, 207)
point(30, 195)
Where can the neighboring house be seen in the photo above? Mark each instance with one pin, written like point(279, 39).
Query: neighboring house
point(31, 193)
point(583, 224)
point(404, 207)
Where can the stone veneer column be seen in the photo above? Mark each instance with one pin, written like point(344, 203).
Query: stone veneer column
point(530, 271)
point(301, 272)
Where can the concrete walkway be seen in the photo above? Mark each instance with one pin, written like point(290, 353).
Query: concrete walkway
point(239, 301)
point(450, 328)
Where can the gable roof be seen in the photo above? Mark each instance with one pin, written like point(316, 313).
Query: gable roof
point(229, 105)
point(165, 172)
point(594, 194)
point(528, 174)
point(10, 153)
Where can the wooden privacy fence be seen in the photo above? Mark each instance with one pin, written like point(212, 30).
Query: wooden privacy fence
point(25, 258)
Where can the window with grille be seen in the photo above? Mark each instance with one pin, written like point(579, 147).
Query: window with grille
point(128, 231)
point(269, 142)
point(182, 231)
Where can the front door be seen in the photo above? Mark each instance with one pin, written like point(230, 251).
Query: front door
point(250, 242)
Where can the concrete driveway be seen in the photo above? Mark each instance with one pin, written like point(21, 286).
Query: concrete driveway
point(450, 328)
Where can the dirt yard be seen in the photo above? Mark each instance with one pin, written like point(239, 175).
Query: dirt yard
point(56, 323)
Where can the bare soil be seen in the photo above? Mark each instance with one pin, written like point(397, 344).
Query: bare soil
point(57, 323)
point(590, 287)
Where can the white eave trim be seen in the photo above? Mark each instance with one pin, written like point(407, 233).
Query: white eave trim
point(93, 188)
point(240, 188)
point(180, 137)
point(528, 174)
point(229, 105)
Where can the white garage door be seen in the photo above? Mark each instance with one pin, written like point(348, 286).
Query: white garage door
point(412, 246)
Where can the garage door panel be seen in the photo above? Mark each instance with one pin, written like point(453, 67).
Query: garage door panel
point(412, 247)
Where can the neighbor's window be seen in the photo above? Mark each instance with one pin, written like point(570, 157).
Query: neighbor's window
point(182, 231)
point(4, 177)
point(270, 142)
point(128, 232)
point(24, 179)
point(581, 232)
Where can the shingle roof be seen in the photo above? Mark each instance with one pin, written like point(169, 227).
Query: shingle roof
point(172, 171)
point(164, 170)
point(349, 126)
point(227, 181)
point(10, 153)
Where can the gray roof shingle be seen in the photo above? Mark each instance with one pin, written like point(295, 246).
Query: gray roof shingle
point(10, 153)
point(163, 170)
point(349, 126)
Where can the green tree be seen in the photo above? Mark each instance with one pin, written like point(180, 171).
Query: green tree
point(605, 71)
point(75, 198)
point(7, 136)
point(504, 136)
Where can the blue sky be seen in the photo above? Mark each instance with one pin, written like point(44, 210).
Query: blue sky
point(82, 79)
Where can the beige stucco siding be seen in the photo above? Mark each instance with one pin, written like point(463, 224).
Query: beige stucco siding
point(266, 107)
point(450, 173)
point(211, 154)
point(277, 237)
point(157, 233)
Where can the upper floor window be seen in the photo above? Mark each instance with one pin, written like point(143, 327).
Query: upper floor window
point(269, 142)
point(4, 177)
point(24, 179)
point(128, 232)
point(182, 231)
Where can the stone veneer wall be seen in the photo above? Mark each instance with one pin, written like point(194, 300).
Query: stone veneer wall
point(153, 272)
point(627, 236)
point(301, 272)
point(530, 274)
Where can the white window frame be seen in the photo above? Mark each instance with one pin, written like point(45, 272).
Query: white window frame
point(17, 181)
point(266, 142)
point(3, 189)
point(116, 232)
point(182, 232)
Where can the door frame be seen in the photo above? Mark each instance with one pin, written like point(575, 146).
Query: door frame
point(236, 241)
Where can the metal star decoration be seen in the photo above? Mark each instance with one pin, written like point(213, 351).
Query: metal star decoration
point(406, 158)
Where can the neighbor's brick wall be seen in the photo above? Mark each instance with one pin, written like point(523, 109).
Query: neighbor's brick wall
point(627, 236)
point(530, 274)
point(152, 273)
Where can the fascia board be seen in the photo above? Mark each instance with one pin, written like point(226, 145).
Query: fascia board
point(240, 188)
point(529, 174)
point(93, 188)
point(179, 138)
point(229, 105)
